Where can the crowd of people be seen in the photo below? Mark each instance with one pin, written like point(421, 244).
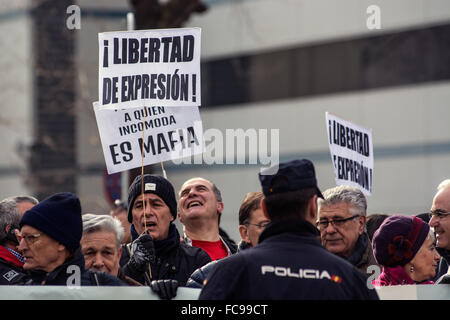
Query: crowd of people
point(296, 242)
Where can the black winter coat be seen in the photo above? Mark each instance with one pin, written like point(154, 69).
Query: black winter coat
point(10, 274)
point(66, 274)
point(443, 267)
point(174, 259)
point(288, 263)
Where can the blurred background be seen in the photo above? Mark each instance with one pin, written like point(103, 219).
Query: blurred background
point(265, 64)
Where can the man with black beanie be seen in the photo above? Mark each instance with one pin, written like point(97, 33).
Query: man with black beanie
point(156, 257)
point(50, 235)
point(289, 262)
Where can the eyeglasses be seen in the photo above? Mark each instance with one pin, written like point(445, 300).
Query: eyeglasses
point(439, 214)
point(337, 223)
point(260, 225)
point(29, 238)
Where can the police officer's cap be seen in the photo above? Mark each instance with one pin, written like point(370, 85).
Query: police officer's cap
point(291, 176)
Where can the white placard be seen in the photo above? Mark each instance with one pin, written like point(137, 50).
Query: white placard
point(155, 134)
point(351, 149)
point(149, 68)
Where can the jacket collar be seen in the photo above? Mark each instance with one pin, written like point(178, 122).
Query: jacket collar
point(188, 241)
point(61, 271)
point(360, 249)
point(393, 276)
point(166, 245)
point(297, 226)
point(243, 245)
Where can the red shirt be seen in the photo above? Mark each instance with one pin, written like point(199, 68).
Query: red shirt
point(215, 249)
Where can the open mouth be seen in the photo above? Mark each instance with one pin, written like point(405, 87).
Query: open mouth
point(148, 224)
point(194, 203)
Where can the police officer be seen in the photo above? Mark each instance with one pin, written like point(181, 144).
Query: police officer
point(289, 262)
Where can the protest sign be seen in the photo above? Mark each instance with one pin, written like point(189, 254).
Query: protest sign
point(149, 68)
point(142, 136)
point(351, 149)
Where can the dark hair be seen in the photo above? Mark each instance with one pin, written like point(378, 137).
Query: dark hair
point(373, 222)
point(251, 202)
point(290, 204)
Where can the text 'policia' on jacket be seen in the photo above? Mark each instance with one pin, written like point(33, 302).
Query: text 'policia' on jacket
point(288, 263)
point(174, 259)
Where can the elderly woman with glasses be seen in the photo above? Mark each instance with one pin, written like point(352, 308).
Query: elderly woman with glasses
point(404, 246)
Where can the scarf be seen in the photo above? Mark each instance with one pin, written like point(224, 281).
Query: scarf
point(360, 248)
point(11, 256)
point(394, 276)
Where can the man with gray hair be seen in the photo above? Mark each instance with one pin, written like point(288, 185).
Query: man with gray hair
point(24, 203)
point(11, 261)
point(341, 222)
point(101, 245)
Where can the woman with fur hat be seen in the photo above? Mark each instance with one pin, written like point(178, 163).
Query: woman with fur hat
point(404, 246)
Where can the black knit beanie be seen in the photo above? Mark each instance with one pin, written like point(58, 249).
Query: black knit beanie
point(152, 184)
point(59, 217)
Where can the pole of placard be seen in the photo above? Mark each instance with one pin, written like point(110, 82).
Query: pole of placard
point(131, 26)
point(163, 170)
point(125, 174)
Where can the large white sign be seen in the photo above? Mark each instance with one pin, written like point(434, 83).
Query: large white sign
point(351, 149)
point(149, 68)
point(142, 136)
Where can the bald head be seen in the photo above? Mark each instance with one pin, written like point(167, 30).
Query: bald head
point(441, 221)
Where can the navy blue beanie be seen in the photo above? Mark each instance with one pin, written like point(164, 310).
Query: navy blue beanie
point(59, 217)
point(152, 184)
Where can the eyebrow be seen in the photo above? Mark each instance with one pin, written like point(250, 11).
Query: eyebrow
point(333, 218)
point(99, 249)
point(197, 186)
point(152, 201)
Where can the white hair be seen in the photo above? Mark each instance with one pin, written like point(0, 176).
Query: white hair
point(444, 184)
point(103, 222)
point(351, 195)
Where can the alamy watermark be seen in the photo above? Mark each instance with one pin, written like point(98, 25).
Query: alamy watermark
point(374, 271)
point(374, 19)
point(233, 146)
point(73, 21)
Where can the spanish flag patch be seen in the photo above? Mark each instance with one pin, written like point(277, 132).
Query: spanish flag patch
point(336, 279)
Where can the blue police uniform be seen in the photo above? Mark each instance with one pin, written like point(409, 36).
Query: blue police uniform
point(288, 264)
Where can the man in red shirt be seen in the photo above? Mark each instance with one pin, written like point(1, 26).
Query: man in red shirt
point(199, 209)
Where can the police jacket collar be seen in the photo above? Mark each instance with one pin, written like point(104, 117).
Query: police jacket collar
point(297, 226)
